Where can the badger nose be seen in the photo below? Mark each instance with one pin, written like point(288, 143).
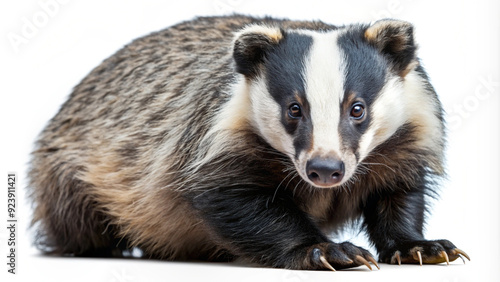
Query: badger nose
point(325, 171)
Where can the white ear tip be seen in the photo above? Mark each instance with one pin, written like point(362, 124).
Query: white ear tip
point(272, 32)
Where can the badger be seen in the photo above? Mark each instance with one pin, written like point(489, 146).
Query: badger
point(251, 139)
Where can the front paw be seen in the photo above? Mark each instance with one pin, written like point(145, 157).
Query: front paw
point(419, 252)
point(335, 256)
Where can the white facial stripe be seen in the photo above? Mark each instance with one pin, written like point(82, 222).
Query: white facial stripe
point(324, 75)
point(421, 111)
point(268, 118)
point(388, 114)
point(399, 103)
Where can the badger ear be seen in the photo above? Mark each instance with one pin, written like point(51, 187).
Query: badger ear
point(394, 39)
point(251, 45)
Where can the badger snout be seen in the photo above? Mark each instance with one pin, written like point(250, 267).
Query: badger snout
point(325, 172)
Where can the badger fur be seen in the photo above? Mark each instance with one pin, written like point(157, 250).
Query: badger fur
point(235, 137)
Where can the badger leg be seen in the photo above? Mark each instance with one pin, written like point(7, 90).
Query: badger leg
point(271, 230)
point(65, 214)
point(394, 222)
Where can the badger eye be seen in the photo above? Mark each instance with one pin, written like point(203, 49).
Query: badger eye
point(358, 111)
point(294, 111)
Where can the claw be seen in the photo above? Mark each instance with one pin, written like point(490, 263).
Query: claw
point(398, 257)
point(325, 263)
point(419, 257)
point(372, 260)
point(458, 251)
point(445, 255)
point(463, 260)
point(364, 261)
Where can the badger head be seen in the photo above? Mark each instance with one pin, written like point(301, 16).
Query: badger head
point(326, 99)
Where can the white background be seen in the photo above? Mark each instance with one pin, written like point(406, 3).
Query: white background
point(459, 46)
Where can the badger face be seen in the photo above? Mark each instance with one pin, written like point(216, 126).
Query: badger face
point(326, 99)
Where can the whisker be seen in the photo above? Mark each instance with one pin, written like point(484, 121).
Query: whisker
point(300, 181)
point(279, 185)
point(381, 164)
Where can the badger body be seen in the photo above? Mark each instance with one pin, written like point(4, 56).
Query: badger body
point(251, 138)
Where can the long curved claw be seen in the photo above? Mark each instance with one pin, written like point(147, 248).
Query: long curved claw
point(445, 255)
point(398, 258)
point(372, 260)
point(460, 252)
point(326, 264)
point(364, 261)
point(419, 257)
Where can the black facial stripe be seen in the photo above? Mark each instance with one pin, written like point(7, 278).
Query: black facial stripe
point(303, 136)
point(365, 69)
point(365, 76)
point(351, 132)
point(284, 66)
point(284, 69)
